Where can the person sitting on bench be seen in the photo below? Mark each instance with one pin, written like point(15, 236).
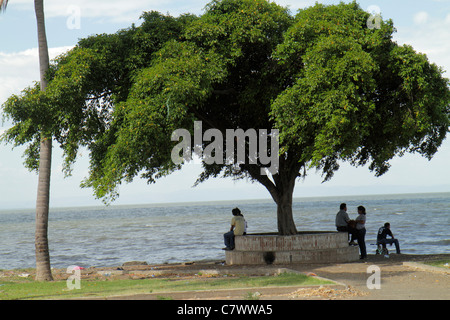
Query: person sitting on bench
point(345, 224)
point(383, 232)
point(238, 228)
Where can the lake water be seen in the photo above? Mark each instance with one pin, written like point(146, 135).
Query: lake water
point(158, 233)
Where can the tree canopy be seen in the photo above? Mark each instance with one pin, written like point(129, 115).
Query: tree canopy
point(335, 89)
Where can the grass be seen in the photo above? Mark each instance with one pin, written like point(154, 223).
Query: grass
point(19, 288)
point(440, 263)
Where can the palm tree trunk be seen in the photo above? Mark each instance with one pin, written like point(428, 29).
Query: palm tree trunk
point(43, 269)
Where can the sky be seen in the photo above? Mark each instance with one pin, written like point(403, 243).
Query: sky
point(423, 24)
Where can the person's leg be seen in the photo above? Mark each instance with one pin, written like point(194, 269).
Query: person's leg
point(361, 242)
point(396, 243)
point(225, 240)
point(227, 237)
point(393, 241)
point(232, 241)
point(352, 232)
point(343, 229)
point(397, 246)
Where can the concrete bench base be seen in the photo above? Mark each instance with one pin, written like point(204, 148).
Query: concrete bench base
point(305, 247)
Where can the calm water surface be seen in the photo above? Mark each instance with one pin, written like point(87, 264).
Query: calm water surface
point(109, 236)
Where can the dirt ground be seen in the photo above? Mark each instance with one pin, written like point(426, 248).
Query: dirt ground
point(402, 277)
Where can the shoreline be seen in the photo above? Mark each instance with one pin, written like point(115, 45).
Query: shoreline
point(393, 257)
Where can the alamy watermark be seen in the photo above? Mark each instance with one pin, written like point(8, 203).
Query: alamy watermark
point(241, 147)
point(374, 280)
point(74, 17)
point(74, 281)
point(374, 20)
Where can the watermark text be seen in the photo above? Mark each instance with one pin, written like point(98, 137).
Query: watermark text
point(238, 147)
point(374, 280)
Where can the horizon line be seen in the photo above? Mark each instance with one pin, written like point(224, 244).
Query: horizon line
point(205, 202)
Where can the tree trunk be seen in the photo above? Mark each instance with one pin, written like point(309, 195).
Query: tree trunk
point(43, 269)
point(281, 188)
point(285, 219)
point(44, 60)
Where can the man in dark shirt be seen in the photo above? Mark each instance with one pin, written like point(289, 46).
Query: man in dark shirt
point(383, 232)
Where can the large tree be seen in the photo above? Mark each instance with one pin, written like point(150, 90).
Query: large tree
point(43, 268)
point(335, 89)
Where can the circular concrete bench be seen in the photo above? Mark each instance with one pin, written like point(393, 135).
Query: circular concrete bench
point(304, 247)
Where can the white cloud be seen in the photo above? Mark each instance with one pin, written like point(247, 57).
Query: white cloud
point(130, 11)
point(373, 9)
point(113, 10)
point(421, 17)
point(430, 38)
point(20, 69)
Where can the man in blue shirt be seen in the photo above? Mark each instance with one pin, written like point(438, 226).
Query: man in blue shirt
point(383, 232)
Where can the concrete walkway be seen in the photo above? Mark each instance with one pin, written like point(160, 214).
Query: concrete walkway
point(403, 281)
